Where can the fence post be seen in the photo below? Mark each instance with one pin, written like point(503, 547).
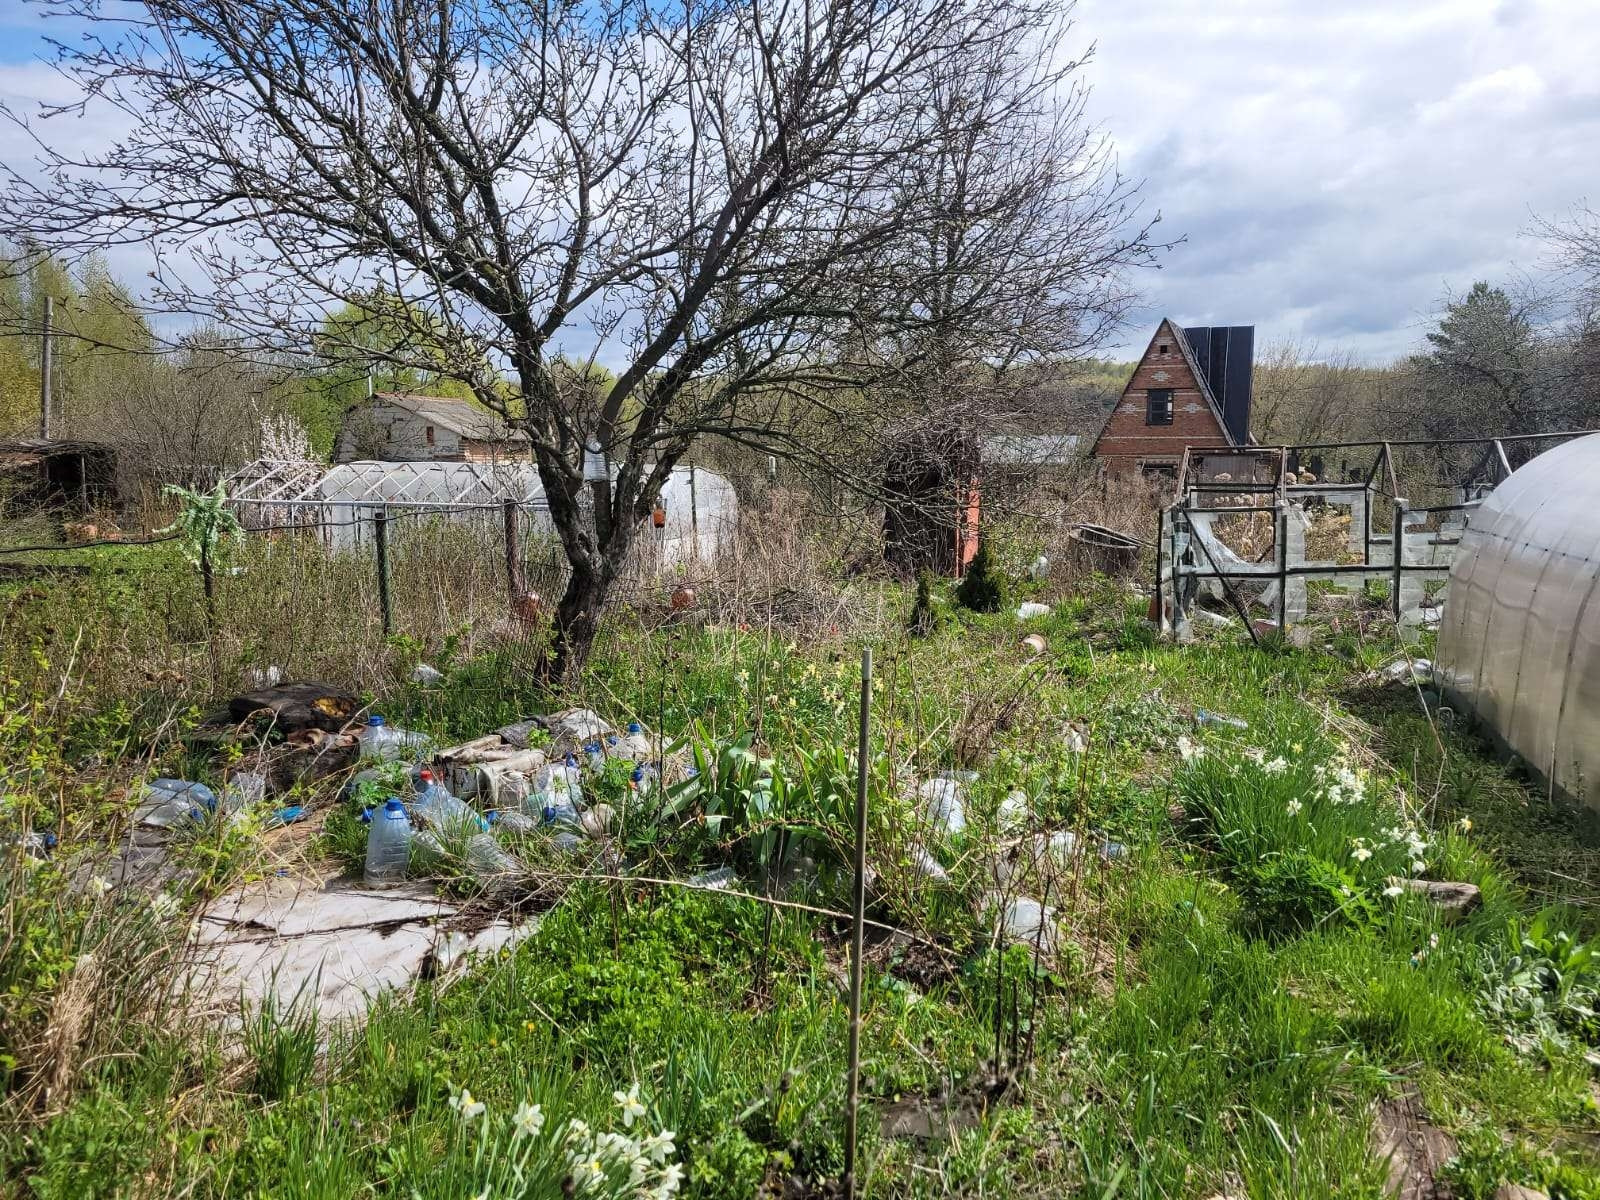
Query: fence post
point(1398, 556)
point(514, 581)
point(694, 519)
point(380, 536)
point(1282, 534)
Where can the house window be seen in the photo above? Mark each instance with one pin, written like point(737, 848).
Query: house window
point(428, 433)
point(1160, 472)
point(1163, 347)
point(1158, 406)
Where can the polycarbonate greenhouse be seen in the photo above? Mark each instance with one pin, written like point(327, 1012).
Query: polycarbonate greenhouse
point(1519, 646)
point(342, 501)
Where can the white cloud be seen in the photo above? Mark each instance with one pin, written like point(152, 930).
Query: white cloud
point(1337, 167)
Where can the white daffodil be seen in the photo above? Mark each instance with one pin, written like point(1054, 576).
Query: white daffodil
point(466, 1106)
point(1187, 750)
point(1275, 766)
point(1465, 824)
point(1417, 868)
point(1361, 854)
point(1294, 806)
point(629, 1103)
point(659, 1147)
point(528, 1120)
point(1393, 890)
point(671, 1177)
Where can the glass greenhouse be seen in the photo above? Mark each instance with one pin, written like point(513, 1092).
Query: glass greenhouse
point(1519, 646)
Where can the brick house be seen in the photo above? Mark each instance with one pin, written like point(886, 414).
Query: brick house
point(398, 427)
point(1191, 388)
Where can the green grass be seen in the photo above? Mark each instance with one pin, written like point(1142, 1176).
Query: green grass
point(1231, 1001)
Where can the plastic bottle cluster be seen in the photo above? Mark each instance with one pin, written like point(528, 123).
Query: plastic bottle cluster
point(554, 802)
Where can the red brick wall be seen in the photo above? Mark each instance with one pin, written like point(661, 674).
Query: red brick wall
point(1126, 441)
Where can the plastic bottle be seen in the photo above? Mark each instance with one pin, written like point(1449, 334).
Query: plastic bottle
point(243, 790)
point(719, 880)
point(562, 782)
point(643, 781)
point(636, 745)
point(596, 756)
point(1203, 718)
point(388, 846)
point(487, 859)
point(169, 801)
point(437, 808)
point(377, 740)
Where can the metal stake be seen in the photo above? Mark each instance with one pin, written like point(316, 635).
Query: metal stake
point(380, 536)
point(857, 931)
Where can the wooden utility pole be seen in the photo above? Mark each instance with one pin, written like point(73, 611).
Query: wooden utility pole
point(44, 368)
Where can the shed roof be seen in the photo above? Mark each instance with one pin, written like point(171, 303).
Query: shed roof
point(458, 416)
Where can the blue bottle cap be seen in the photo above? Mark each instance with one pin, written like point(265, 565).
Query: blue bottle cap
point(635, 727)
point(375, 719)
point(638, 774)
point(393, 805)
point(572, 760)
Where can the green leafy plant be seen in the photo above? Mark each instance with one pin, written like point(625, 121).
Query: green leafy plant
point(981, 588)
point(924, 617)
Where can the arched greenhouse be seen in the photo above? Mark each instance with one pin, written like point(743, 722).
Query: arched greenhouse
point(1519, 646)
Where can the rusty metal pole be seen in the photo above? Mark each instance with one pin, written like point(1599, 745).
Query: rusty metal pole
point(858, 913)
point(380, 537)
point(1399, 555)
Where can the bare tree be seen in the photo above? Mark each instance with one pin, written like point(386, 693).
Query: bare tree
point(728, 203)
point(1301, 396)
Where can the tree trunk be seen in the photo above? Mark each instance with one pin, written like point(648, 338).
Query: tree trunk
point(577, 622)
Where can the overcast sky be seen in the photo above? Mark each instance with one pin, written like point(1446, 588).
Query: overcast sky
point(1335, 165)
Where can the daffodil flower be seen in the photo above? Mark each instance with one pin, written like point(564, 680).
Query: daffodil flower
point(466, 1106)
point(659, 1147)
point(1361, 854)
point(528, 1120)
point(628, 1102)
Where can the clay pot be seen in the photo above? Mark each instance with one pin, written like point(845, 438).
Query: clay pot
point(1033, 644)
point(683, 598)
point(659, 517)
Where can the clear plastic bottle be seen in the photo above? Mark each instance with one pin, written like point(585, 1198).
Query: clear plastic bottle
point(388, 846)
point(636, 745)
point(1203, 719)
point(377, 740)
point(438, 809)
point(487, 859)
point(170, 801)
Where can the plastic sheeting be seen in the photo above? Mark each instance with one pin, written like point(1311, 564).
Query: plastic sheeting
point(1520, 641)
point(700, 506)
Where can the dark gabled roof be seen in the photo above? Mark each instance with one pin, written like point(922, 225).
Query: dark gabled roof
point(458, 416)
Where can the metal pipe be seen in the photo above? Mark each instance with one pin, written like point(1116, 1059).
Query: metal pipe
point(858, 913)
point(1398, 564)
